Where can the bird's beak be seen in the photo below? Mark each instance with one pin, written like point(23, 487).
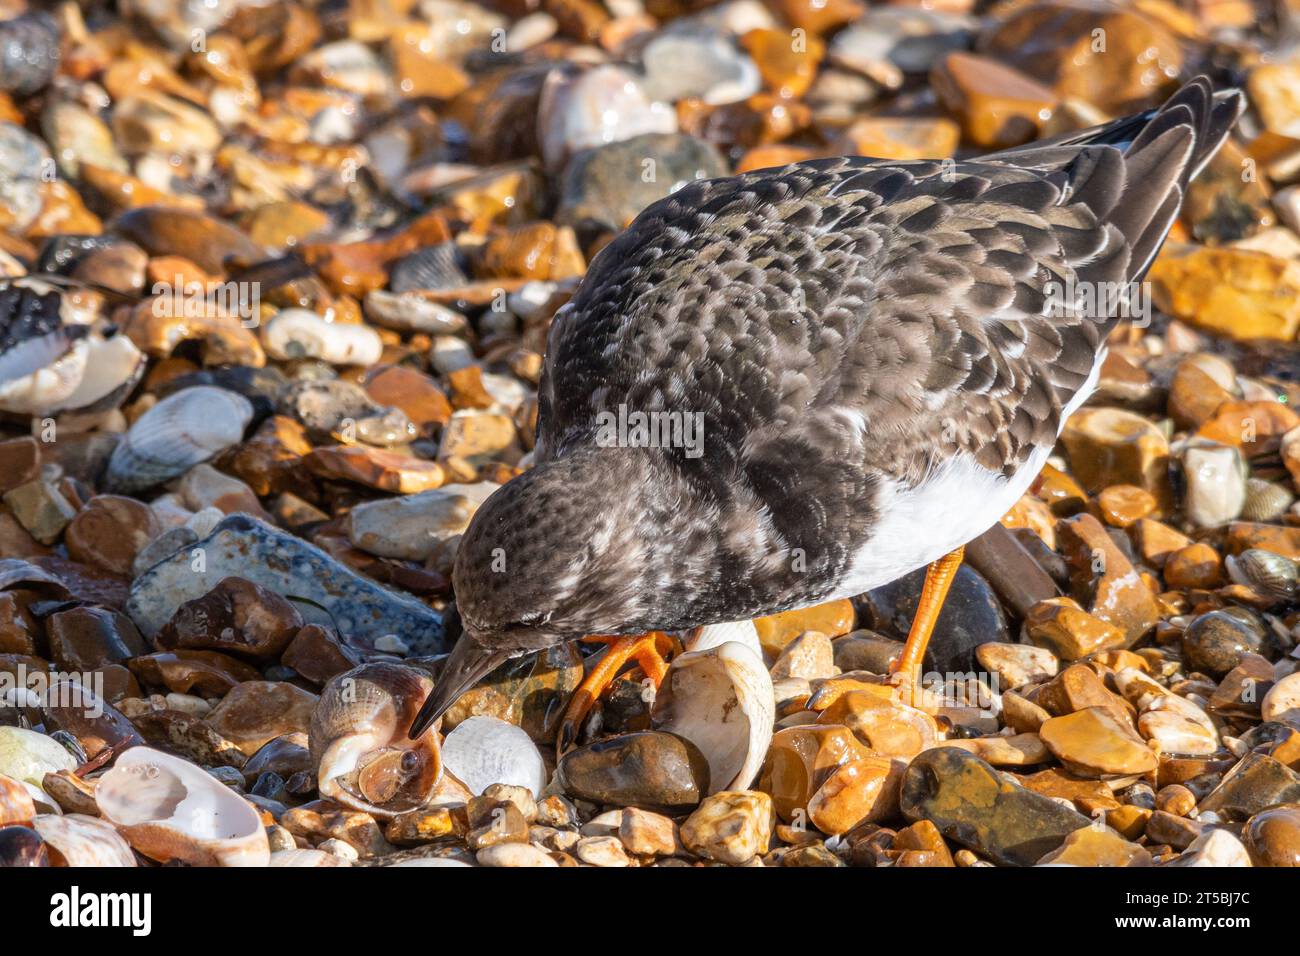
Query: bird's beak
point(469, 663)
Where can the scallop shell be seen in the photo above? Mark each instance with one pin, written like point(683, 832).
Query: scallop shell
point(719, 697)
point(1273, 575)
point(358, 740)
point(482, 751)
point(79, 840)
point(297, 333)
point(181, 431)
point(169, 809)
point(1265, 500)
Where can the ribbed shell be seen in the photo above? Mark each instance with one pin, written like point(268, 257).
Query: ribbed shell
point(181, 431)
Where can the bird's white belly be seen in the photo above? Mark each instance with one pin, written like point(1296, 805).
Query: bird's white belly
point(922, 524)
point(955, 505)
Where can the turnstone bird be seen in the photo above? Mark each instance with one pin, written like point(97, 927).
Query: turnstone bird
point(882, 356)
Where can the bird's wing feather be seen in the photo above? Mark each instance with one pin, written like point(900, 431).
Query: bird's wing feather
point(845, 323)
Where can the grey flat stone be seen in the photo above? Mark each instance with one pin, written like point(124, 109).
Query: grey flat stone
point(360, 610)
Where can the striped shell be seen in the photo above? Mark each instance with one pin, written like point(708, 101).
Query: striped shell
point(1265, 500)
point(1274, 575)
point(181, 431)
point(358, 740)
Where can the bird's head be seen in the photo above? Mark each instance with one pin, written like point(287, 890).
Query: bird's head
point(551, 556)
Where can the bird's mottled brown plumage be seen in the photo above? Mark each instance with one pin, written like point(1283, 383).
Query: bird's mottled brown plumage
point(846, 327)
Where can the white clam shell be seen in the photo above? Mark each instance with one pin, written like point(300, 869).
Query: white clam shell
point(482, 751)
point(306, 857)
point(720, 698)
point(363, 715)
point(170, 809)
point(298, 333)
point(84, 841)
point(181, 431)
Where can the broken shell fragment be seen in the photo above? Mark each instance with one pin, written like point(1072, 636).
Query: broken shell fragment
point(358, 740)
point(720, 699)
point(171, 810)
point(75, 839)
point(181, 431)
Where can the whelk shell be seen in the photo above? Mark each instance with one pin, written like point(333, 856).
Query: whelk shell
point(181, 431)
point(170, 809)
point(358, 740)
point(78, 840)
point(719, 696)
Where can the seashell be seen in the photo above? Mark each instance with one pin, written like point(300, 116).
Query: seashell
point(169, 809)
point(16, 804)
point(22, 846)
point(440, 266)
point(600, 105)
point(113, 367)
point(1273, 575)
point(298, 333)
point(482, 751)
point(358, 740)
point(29, 52)
point(75, 839)
point(720, 698)
point(48, 388)
point(42, 357)
point(1265, 500)
point(28, 756)
point(181, 431)
point(305, 857)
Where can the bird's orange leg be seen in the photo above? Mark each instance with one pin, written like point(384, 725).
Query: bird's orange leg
point(649, 650)
point(906, 671)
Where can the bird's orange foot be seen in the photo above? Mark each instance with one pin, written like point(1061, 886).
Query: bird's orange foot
point(905, 673)
point(651, 651)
